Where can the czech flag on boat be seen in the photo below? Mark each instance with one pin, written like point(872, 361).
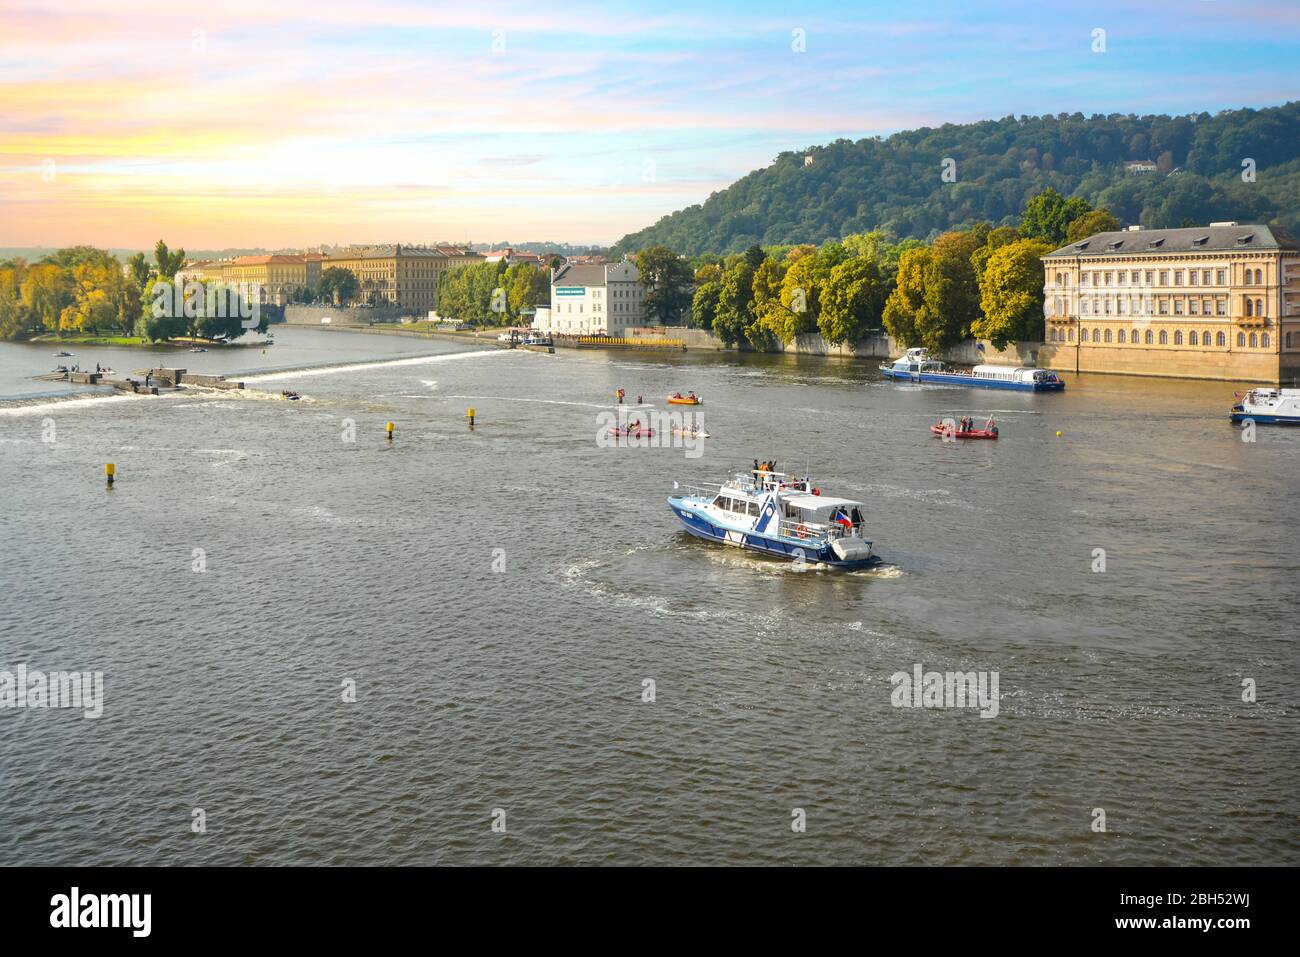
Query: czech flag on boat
point(843, 519)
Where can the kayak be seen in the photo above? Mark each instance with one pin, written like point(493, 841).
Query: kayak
point(687, 433)
point(684, 400)
point(632, 433)
point(970, 434)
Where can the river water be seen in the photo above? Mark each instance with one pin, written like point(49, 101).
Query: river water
point(499, 599)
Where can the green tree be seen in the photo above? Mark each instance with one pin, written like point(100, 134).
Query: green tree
point(46, 291)
point(140, 270)
point(169, 263)
point(704, 307)
point(952, 296)
point(667, 279)
point(1090, 224)
point(526, 288)
point(905, 309)
point(339, 285)
point(851, 300)
point(1048, 215)
point(735, 313)
point(1011, 294)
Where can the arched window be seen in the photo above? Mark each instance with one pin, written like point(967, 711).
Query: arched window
point(1193, 339)
point(1264, 340)
point(1121, 337)
point(1071, 335)
point(1150, 339)
point(1135, 337)
point(1164, 337)
point(1053, 335)
point(1096, 335)
point(1108, 335)
point(1254, 340)
point(1221, 340)
point(1249, 274)
point(1259, 277)
point(1205, 337)
point(1259, 307)
point(1250, 307)
point(1288, 340)
point(1241, 340)
point(1178, 338)
point(1083, 335)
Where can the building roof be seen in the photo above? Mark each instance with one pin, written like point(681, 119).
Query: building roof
point(579, 276)
point(1196, 239)
point(278, 259)
point(388, 251)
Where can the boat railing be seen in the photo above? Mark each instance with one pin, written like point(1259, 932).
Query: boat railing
point(704, 491)
point(805, 531)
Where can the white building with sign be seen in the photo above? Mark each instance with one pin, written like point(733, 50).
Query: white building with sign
point(593, 301)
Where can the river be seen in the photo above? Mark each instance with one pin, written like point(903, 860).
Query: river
point(501, 600)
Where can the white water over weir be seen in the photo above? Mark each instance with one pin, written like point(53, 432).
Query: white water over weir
point(381, 363)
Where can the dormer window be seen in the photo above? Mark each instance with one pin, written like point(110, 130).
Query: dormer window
point(1115, 245)
point(1156, 243)
point(1200, 240)
point(1080, 247)
point(1245, 238)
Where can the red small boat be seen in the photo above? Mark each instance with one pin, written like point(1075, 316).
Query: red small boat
point(637, 433)
point(969, 434)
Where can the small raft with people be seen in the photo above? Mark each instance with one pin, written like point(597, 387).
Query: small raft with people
point(965, 429)
point(290, 395)
point(689, 399)
point(692, 433)
point(631, 432)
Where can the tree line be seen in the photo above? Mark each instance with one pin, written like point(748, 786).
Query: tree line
point(82, 290)
point(985, 282)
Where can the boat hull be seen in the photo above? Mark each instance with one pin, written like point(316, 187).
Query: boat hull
point(672, 401)
point(975, 434)
point(701, 526)
point(1264, 418)
point(944, 378)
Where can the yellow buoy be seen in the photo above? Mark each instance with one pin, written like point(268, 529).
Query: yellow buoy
point(469, 414)
point(1058, 433)
point(390, 429)
point(110, 470)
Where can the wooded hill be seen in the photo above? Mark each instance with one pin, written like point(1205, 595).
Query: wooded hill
point(897, 184)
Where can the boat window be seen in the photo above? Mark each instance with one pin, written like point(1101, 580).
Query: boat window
point(753, 508)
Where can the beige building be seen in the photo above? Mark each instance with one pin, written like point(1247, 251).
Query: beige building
point(1210, 302)
point(400, 274)
point(277, 276)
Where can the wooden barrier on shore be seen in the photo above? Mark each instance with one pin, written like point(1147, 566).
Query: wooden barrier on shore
point(624, 342)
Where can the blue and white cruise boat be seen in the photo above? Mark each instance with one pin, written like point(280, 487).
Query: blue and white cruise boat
point(1269, 407)
point(773, 513)
point(917, 366)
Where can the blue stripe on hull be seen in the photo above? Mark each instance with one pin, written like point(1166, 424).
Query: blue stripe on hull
point(701, 527)
point(942, 379)
point(1266, 419)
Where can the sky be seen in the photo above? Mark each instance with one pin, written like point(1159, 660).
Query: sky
point(288, 123)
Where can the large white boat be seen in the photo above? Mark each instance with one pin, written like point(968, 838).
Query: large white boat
point(777, 514)
point(916, 365)
point(1269, 407)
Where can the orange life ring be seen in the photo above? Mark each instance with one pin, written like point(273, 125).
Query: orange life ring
point(802, 531)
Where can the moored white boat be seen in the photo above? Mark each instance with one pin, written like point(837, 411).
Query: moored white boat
point(916, 365)
point(779, 515)
point(1269, 407)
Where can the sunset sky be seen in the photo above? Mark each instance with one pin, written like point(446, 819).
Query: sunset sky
point(294, 123)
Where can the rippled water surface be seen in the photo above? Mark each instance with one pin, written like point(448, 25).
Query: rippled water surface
point(330, 561)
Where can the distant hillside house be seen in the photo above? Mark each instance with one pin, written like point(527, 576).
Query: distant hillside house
point(1210, 302)
point(1140, 166)
point(593, 300)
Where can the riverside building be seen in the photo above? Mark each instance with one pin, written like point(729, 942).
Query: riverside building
point(1209, 302)
point(594, 300)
